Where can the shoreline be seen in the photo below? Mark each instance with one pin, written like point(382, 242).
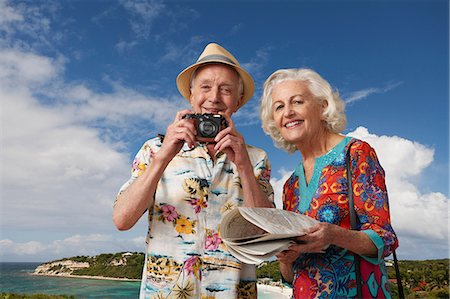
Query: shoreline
point(262, 288)
point(271, 289)
point(86, 277)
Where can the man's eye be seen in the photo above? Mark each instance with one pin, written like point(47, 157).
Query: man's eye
point(226, 90)
point(205, 87)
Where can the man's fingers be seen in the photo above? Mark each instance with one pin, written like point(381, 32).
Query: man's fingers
point(181, 114)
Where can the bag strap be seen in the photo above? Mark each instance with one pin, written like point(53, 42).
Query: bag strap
point(353, 221)
point(354, 226)
point(401, 295)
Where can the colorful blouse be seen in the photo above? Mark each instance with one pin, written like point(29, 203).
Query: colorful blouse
point(185, 256)
point(332, 274)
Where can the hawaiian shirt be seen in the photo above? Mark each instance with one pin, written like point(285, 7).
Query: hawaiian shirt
point(185, 256)
point(332, 274)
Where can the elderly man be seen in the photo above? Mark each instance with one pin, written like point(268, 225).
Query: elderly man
point(187, 183)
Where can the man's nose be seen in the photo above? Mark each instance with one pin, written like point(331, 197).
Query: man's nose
point(214, 96)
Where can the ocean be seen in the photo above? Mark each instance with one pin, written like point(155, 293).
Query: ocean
point(17, 278)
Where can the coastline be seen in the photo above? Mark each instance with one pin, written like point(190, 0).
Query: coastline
point(86, 277)
point(285, 292)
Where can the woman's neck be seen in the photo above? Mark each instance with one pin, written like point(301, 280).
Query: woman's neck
point(319, 145)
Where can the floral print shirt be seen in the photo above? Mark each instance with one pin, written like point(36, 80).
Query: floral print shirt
point(332, 274)
point(185, 256)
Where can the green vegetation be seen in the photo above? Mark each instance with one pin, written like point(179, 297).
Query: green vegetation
point(420, 279)
point(33, 296)
point(269, 270)
point(105, 265)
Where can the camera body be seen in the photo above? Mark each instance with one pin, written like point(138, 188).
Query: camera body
point(208, 125)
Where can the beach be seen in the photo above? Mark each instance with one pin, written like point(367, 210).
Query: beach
point(282, 292)
point(264, 290)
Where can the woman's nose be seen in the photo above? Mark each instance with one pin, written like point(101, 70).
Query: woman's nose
point(288, 111)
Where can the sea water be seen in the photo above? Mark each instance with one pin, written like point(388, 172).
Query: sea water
point(18, 278)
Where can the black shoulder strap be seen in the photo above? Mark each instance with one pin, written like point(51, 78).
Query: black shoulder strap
point(354, 224)
point(353, 221)
point(351, 203)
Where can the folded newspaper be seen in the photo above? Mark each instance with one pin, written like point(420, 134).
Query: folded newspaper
point(253, 235)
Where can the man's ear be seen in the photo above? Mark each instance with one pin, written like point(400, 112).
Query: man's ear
point(238, 104)
point(190, 96)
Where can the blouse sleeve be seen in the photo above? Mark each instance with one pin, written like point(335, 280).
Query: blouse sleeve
point(371, 199)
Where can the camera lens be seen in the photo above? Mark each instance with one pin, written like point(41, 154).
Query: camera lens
point(208, 129)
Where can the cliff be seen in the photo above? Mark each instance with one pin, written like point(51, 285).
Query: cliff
point(123, 265)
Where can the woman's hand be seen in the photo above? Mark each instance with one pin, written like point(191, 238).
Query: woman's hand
point(287, 259)
point(177, 133)
point(288, 256)
point(317, 238)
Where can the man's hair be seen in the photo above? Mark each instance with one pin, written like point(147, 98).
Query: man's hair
point(321, 90)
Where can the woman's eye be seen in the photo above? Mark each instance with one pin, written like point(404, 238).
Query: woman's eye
point(298, 102)
point(278, 107)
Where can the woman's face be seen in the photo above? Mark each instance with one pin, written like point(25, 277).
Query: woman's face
point(297, 115)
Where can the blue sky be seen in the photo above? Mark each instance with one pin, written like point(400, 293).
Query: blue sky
point(84, 83)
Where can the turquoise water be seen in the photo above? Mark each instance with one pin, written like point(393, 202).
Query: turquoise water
point(17, 278)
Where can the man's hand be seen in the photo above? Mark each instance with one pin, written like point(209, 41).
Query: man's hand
point(177, 133)
point(230, 142)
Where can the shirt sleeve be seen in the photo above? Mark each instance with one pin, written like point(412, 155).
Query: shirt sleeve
point(262, 170)
point(371, 199)
point(141, 161)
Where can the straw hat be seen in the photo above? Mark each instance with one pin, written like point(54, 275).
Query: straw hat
point(214, 53)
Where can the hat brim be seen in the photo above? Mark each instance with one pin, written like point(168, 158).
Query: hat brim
point(184, 78)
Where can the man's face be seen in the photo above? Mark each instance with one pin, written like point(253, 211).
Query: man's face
point(215, 89)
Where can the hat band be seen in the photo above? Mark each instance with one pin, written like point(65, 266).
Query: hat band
point(215, 57)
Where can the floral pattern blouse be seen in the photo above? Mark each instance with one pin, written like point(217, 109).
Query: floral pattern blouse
point(185, 256)
point(332, 274)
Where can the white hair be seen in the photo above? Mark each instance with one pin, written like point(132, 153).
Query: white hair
point(333, 114)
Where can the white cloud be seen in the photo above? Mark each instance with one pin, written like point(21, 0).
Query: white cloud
point(144, 13)
point(33, 20)
point(277, 185)
point(8, 15)
point(125, 47)
point(415, 215)
point(258, 62)
point(61, 159)
point(420, 219)
point(362, 94)
point(20, 68)
point(75, 245)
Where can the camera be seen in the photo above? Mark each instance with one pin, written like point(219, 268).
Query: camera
point(208, 125)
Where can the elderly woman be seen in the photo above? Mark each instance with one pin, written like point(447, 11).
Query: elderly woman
point(300, 111)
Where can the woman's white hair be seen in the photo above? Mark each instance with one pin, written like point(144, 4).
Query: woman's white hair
point(333, 115)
